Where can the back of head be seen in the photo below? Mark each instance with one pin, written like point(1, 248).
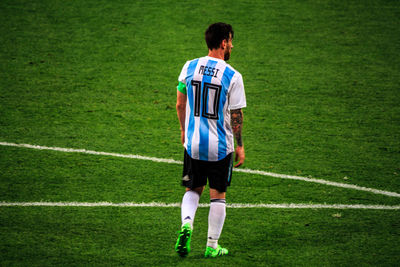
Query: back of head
point(217, 32)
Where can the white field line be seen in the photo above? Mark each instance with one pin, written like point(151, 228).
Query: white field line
point(171, 161)
point(320, 181)
point(202, 205)
point(72, 150)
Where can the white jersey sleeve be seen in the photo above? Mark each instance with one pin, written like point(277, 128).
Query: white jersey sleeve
point(182, 76)
point(237, 97)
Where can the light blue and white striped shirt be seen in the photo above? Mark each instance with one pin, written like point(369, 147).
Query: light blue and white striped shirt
point(213, 89)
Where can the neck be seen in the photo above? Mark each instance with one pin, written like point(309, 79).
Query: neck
point(217, 53)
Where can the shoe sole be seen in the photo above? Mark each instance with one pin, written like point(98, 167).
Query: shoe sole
point(183, 243)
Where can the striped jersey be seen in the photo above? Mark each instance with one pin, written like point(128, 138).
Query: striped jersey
point(213, 88)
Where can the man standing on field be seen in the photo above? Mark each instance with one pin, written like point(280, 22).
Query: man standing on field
point(210, 98)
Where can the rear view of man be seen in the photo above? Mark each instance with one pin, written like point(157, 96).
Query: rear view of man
point(210, 97)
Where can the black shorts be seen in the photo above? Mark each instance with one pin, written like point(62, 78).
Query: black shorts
point(196, 172)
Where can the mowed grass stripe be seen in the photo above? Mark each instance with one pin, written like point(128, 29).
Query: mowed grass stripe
point(201, 205)
point(172, 161)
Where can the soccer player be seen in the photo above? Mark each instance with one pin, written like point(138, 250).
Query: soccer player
point(210, 98)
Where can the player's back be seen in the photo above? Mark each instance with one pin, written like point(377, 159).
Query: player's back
point(213, 89)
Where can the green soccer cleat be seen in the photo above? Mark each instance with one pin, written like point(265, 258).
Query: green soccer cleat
point(182, 246)
point(213, 253)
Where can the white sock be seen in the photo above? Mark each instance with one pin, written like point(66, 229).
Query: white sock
point(189, 205)
point(216, 219)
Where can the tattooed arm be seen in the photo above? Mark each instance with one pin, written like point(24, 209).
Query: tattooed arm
point(236, 124)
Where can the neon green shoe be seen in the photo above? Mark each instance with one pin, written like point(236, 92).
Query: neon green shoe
point(182, 246)
point(213, 253)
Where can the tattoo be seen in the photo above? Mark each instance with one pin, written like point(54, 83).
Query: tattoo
point(236, 123)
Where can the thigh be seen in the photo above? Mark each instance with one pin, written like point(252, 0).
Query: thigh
point(220, 174)
point(193, 172)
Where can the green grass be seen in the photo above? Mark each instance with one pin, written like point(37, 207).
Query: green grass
point(322, 85)
point(80, 177)
point(145, 236)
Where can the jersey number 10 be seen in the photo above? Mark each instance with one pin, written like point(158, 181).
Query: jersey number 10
point(209, 98)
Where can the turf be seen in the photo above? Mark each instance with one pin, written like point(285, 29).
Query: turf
point(90, 178)
point(322, 85)
point(131, 236)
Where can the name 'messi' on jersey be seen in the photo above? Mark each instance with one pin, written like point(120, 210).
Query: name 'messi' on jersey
point(213, 88)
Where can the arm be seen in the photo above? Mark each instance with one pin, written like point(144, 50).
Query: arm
point(237, 123)
point(181, 111)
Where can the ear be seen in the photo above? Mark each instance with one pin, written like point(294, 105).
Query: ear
point(223, 44)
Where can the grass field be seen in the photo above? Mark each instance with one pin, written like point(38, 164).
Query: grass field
point(322, 85)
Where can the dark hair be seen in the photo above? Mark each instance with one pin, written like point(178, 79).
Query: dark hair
point(217, 32)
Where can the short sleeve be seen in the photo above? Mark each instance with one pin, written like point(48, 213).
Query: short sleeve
point(237, 97)
point(182, 76)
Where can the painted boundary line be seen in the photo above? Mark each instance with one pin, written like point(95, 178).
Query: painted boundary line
point(171, 161)
point(320, 181)
point(91, 152)
point(201, 205)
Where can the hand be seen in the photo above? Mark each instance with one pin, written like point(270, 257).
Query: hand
point(183, 137)
point(239, 155)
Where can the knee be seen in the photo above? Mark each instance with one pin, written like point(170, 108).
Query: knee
point(215, 194)
point(198, 190)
